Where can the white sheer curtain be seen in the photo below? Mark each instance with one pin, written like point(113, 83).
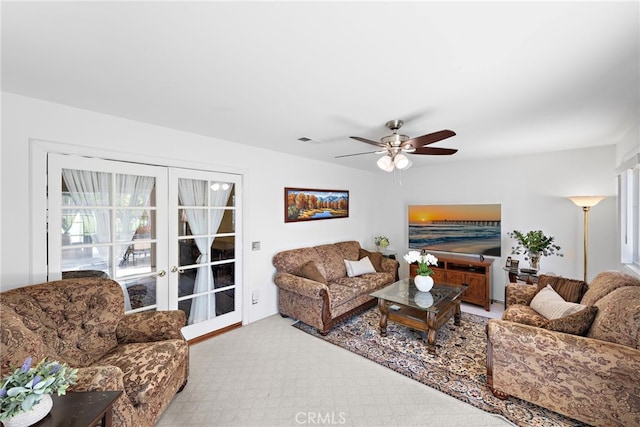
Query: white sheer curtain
point(138, 188)
point(194, 193)
point(91, 189)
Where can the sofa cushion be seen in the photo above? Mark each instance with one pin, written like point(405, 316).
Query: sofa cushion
point(333, 261)
point(618, 318)
point(577, 323)
point(358, 268)
point(146, 367)
point(548, 303)
point(375, 258)
point(310, 271)
point(571, 290)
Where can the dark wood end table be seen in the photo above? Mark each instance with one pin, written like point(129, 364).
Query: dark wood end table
point(81, 409)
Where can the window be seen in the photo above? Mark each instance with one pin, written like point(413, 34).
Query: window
point(629, 187)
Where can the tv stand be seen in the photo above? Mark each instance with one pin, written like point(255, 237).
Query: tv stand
point(464, 270)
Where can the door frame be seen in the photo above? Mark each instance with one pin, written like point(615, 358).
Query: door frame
point(39, 150)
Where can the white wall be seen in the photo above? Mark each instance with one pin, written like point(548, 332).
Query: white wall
point(533, 192)
point(531, 189)
point(266, 173)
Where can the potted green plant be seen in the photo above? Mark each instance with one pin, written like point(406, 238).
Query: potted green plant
point(25, 396)
point(534, 245)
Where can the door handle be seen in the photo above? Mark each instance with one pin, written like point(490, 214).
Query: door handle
point(160, 273)
point(176, 269)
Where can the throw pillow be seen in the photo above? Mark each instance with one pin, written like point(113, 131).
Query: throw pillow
point(548, 303)
point(571, 290)
point(356, 268)
point(374, 257)
point(310, 271)
point(577, 323)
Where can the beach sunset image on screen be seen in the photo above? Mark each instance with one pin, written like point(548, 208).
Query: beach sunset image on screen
point(467, 229)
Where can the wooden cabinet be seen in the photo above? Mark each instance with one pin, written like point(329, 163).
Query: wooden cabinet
point(460, 270)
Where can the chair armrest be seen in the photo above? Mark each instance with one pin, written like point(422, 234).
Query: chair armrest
point(98, 378)
point(519, 293)
point(149, 326)
point(300, 285)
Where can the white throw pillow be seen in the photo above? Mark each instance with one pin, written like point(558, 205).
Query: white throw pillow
point(548, 303)
point(356, 268)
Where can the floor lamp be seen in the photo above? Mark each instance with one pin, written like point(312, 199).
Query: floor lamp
point(586, 203)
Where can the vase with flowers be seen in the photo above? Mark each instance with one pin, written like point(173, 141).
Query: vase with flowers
point(25, 396)
point(534, 245)
point(423, 279)
point(381, 242)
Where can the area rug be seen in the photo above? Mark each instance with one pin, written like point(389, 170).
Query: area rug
point(457, 369)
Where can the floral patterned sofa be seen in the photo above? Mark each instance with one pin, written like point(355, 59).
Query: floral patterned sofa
point(591, 372)
point(315, 288)
point(81, 322)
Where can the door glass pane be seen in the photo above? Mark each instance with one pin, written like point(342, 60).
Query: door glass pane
point(141, 292)
point(227, 224)
point(222, 194)
point(223, 247)
point(224, 301)
point(189, 252)
point(223, 274)
point(85, 257)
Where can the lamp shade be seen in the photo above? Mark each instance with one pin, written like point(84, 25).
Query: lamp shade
point(401, 161)
point(587, 201)
point(385, 163)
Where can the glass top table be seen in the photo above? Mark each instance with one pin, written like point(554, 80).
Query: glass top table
point(405, 292)
point(403, 303)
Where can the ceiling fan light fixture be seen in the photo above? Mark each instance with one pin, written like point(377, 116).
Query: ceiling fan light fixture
point(385, 163)
point(401, 161)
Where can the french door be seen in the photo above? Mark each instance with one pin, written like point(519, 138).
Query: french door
point(168, 236)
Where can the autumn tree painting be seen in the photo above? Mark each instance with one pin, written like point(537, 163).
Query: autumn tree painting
point(303, 204)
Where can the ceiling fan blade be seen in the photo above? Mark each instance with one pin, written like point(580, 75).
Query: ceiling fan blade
point(430, 138)
point(357, 154)
point(368, 141)
point(435, 151)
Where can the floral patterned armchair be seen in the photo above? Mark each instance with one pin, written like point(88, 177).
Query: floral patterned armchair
point(81, 322)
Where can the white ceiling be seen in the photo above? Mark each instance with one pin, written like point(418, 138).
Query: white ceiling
point(509, 78)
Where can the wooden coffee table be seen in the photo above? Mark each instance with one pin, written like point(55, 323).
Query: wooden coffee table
point(81, 409)
point(401, 302)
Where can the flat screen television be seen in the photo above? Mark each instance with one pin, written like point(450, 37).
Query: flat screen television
point(464, 229)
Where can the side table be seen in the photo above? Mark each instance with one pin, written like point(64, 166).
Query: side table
point(81, 409)
point(528, 276)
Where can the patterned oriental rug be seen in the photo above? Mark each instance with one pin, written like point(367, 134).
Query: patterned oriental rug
point(458, 369)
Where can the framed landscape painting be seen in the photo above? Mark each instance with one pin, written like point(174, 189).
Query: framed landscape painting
point(306, 204)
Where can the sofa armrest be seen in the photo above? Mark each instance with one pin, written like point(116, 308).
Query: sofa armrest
point(149, 326)
point(300, 285)
point(98, 378)
point(595, 381)
point(390, 265)
point(519, 293)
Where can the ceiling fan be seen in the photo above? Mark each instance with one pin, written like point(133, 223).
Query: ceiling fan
point(395, 145)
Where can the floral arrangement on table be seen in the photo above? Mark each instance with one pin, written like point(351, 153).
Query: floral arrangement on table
point(534, 244)
point(424, 261)
point(381, 241)
point(26, 386)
